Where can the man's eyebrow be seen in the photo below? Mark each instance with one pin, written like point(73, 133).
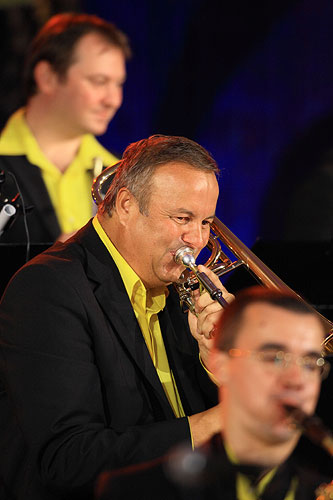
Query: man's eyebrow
point(183, 211)
point(281, 347)
point(190, 213)
point(271, 346)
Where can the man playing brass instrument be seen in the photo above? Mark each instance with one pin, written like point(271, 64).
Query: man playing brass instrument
point(99, 369)
point(268, 363)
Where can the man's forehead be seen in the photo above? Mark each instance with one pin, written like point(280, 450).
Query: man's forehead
point(92, 41)
point(185, 171)
point(262, 322)
point(185, 189)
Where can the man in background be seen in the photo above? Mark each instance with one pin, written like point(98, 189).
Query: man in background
point(74, 77)
point(267, 361)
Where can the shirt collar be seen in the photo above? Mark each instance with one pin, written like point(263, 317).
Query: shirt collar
point(151, 301)
point(18, 139)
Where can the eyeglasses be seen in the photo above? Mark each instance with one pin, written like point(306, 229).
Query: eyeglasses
point(279, 360)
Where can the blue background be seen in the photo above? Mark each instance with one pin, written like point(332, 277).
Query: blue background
point(248, 81)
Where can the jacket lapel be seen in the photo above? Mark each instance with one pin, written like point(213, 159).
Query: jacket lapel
point(194, 385)
point(112, 297)
point(182, 364)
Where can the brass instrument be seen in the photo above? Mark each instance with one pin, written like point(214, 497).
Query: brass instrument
point(218, 261)
point(102, 182)
point(312, 427)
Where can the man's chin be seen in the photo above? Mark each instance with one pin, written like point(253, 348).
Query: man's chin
point(99, 127)
point(167, 280)
point(174, 275)
point(285, 430)
point(99, 130)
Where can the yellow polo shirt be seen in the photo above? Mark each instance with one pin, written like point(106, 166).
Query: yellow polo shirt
point(146, 306)
point(70, 191)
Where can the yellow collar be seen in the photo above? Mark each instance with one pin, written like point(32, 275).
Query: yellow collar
point(152, 300)
point(243, 484)
point(17, 139)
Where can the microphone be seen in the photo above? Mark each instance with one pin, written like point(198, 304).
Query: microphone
point(6, 213)
point(8, 210)
point(186, 467)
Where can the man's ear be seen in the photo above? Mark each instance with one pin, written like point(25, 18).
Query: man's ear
point(125, 204)
point(218, 365)
point(45, 77)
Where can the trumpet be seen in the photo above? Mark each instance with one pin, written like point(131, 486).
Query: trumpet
point(218, 261)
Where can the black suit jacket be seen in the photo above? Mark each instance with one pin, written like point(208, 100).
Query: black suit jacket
point(206, 474)
point(79, 392)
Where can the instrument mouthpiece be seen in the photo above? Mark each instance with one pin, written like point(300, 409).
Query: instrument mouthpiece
point(185, 256)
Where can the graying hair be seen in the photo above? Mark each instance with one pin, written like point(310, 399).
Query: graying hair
point(142, 158)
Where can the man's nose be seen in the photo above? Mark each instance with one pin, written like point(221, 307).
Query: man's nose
point(113, 96)
point(293, 375)
point(195, 236)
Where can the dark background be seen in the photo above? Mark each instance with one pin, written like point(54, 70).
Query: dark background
point(249, 80)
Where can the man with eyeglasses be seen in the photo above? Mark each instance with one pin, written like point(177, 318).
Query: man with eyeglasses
point(267, 359)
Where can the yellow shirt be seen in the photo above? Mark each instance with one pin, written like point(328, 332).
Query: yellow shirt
point(70, 191)
point(246, 491)
point(146, 306)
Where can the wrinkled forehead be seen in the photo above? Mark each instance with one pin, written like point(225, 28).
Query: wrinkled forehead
point(184, 174)
point(184, 186)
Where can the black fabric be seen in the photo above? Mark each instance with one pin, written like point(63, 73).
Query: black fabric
point(210, 476)
point(79, 392)
point(42, 221)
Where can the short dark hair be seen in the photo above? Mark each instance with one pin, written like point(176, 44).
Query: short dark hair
point(142, 158)
point(233, 315)
point(57, 39)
